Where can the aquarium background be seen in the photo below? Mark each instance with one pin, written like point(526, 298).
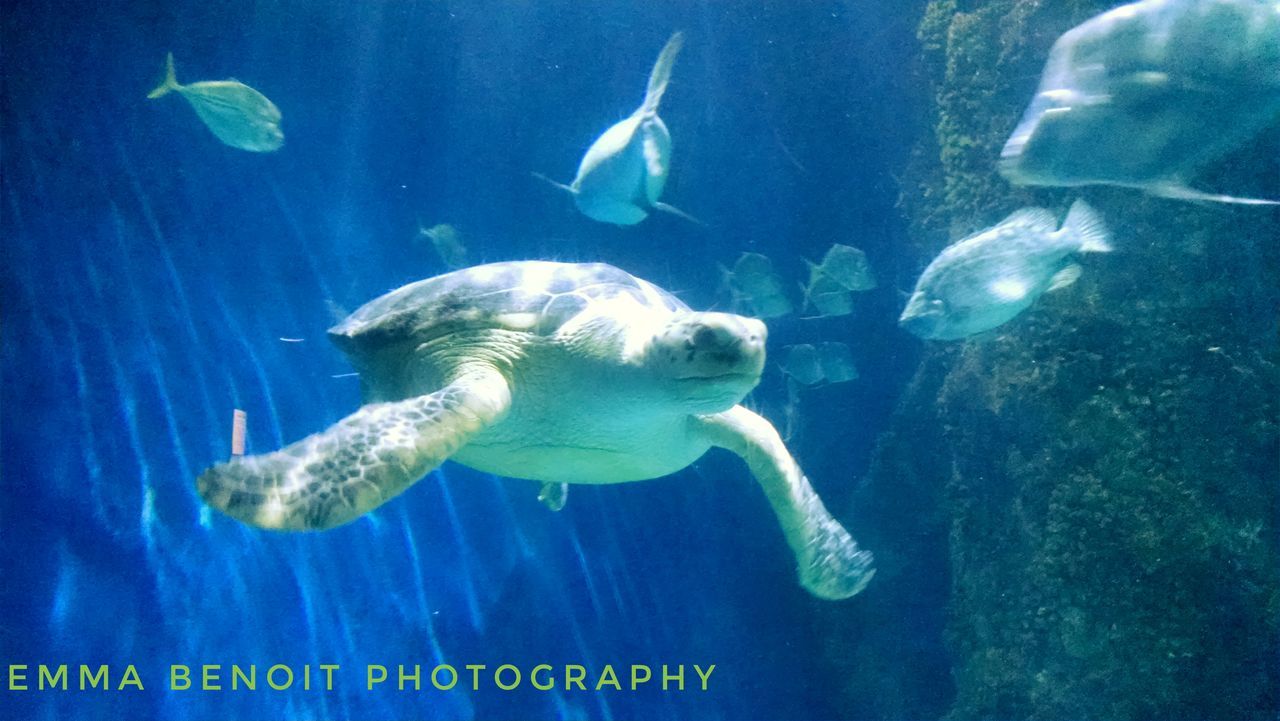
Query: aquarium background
point(1074, 517)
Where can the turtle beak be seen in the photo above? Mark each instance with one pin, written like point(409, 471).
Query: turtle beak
point(723, 345)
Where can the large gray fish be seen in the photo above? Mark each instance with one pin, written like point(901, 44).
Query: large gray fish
point(1145, 95)
point(988, 278)
point(236, 113)
point(625, 170)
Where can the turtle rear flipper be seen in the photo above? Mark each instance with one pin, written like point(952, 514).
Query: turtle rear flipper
point(363, 461)
point(830, 564)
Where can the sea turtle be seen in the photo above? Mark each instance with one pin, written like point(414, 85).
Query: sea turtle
point(553, 372)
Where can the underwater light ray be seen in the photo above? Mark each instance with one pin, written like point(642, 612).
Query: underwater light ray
point(616, 520)
point(420, 586)
point(305, 581)
point(36, 178)
point(306, 250)
point(89, 446)
point(465, 555)
point(133, 307)
point(259, 372)
point(15, 216)
point(185, 316)
point(584, 567)
point(510, 520)
point(618, 602)
point(127, 402)
point(64, 590)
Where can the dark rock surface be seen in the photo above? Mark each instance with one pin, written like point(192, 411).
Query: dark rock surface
point(1090, 492)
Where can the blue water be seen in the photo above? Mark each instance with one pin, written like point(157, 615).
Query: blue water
point(148, 272)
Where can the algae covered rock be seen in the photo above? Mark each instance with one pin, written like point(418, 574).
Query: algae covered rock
point(1099, 477)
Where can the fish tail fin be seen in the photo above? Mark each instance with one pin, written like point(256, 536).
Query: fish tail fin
point(1085, 227)
point(170, 80)
point(661, 74)
point(559, 185)
point(671, 209)
point(1178, 191)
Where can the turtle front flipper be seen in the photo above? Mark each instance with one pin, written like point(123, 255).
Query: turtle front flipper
point(363, 461)
point(829, 562)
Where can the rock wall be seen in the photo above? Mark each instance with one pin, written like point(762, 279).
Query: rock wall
point(1099, 480)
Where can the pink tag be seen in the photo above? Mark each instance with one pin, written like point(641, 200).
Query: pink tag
point(238, 424)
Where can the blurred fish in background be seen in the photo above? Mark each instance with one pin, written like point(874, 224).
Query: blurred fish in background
point(755, 288)
point(447, 242)
point(1147, 94)
point(843, 271)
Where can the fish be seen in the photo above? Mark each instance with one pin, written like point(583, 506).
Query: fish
point(847, 266)
point(825, 294)
point(990, 277)
point(447, 243)
point(837, 362)
point(553, 495)
point(1145, 95)
point(810, 364)
point(623, 173)
point(803, 364)
point(756, 288)
point(234, 112)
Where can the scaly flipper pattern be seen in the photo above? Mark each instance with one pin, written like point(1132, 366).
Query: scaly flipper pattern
point(829, 562)
point(366, 459)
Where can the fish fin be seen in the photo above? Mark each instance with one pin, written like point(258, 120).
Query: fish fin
point(1064, 277)
point(561, 186)
point(661, 74)
point(664, 207)
point(1178, 191)
point(553, 495)
point(1084, 224)
point(170, 81)
point(1037, 218)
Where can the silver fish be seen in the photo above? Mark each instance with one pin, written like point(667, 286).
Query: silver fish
point(837, 362)
point(826, 294)
point(625, 170)
point(810, 364)
point(847, 266)
point(755, 287)
point(236, 113)
point(988, 278)
point(803, 364)
point(447, 243)
point(1145, 95)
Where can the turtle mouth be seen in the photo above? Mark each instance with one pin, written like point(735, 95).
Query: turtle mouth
point(753, 376)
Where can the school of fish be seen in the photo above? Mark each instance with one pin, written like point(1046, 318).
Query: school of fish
point(1143, 96)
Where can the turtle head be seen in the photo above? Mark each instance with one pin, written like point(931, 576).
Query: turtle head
point(711, 361)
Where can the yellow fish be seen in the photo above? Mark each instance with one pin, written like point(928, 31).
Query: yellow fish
point(239, 115)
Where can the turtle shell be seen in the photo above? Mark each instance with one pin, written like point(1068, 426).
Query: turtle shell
point(532, 296)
